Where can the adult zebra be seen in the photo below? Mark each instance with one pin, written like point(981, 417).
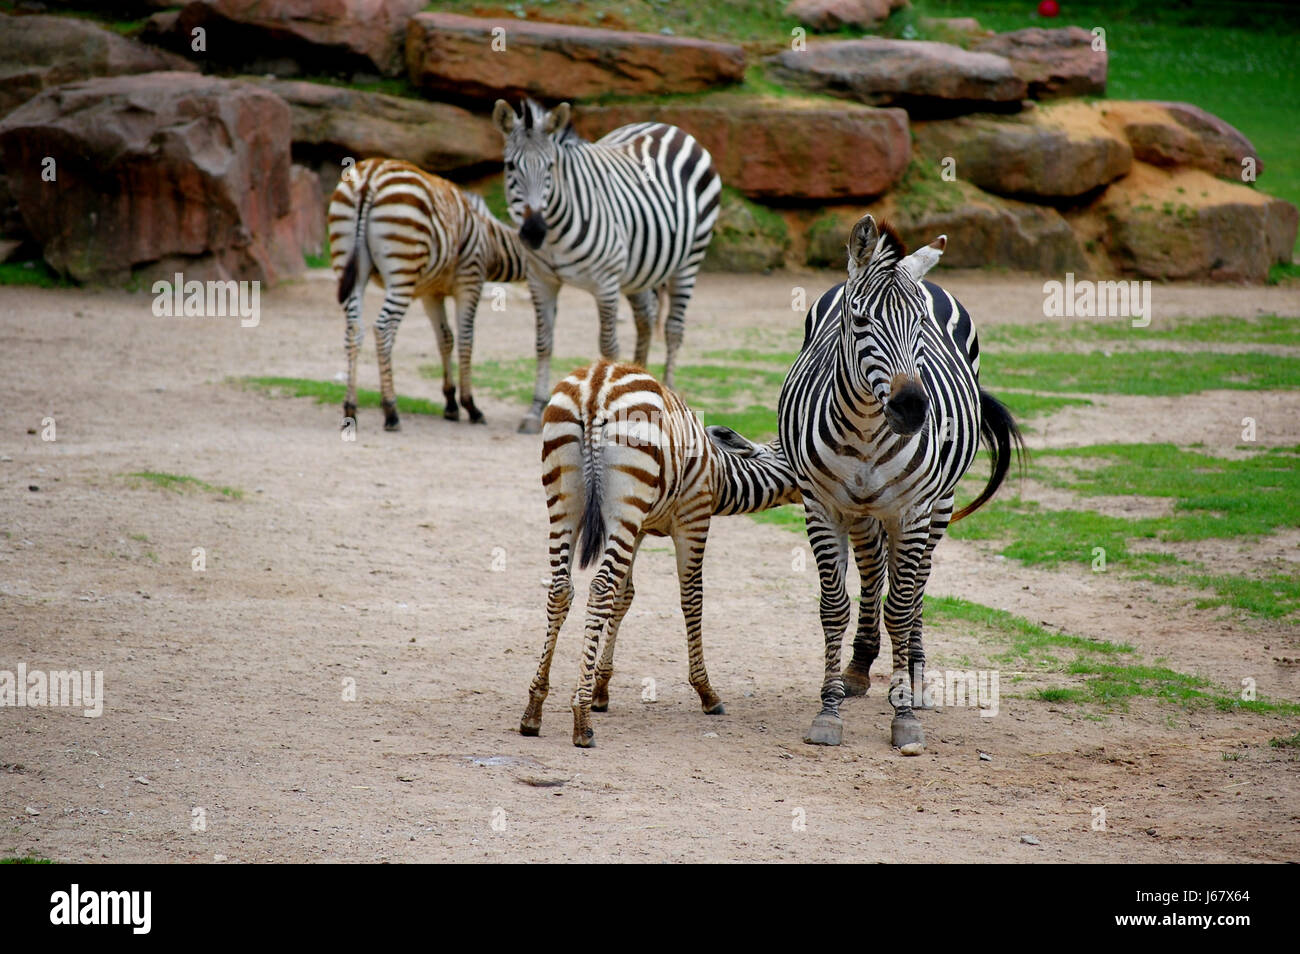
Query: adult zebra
point(880, 416)
point(630, 213)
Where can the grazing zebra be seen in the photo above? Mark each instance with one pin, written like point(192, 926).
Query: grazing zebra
point(630, 213)
point(421, 236)
point(622, 457)
point(880, 416)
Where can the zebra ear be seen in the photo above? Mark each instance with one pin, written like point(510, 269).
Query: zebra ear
point(503, 117)
point(925, 258)
point(862, 243)
point(728, 441)
point(558, 118)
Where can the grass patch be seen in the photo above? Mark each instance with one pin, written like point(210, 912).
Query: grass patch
point(322, 260)
point(1281, 273)
point(1289, 742)
point(35, 273)
point(25, 860)
point(1145, 373)
point(183, 482)
point(331, 392)
point(1220, 329)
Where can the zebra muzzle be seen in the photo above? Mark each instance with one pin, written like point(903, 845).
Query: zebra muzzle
point(533, 230)
point(906, 408)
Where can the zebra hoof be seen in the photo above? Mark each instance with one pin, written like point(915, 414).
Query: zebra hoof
point(451, 414)
point(827, 729)
point(530, 425)
point(349, 413)
point(476, 417)
point(600, 706)
point(907, 735)
point(526, 728)
point(393, 425)
point(586, 739)
point(716, 709)
point(856, 682)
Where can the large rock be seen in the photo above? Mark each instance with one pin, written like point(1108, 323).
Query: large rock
point(826, 16)
point(1052, 152)
point(982, 230)
point(1180, 134)
point(1186, 224)
point(451, 54)
point(333, 123)
point(164, 168)
point(38, 52)
point(746, 238)
point(303, 230)
point(1054, 63)
point(924, 77)
point(285, 35)
point(782, 148)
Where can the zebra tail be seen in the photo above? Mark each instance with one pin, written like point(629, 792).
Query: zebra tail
point(1000, 434)
point(593, 475)
point(348, 280)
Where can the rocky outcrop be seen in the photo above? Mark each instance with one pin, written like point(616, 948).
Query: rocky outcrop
point(782, 147)
point(38, 52)
point(287, 36)
point(1053, 63)
point(746, 238)
point(1186, 224)
point(982, 229)
point(1180, 134)
point(827, 16)
point(334, 123)
point(482, 58)
point(1055, 152)
point(114, 174)
point(924, 77)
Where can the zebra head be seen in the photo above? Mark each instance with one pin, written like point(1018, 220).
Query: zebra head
point(883, 313)
point(531, 152)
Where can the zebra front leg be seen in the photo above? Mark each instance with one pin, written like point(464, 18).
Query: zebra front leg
point(390, 317)
point(545, 288)
point(605, 587)
point(939, 520)
point(645, 308)
point(558, 602)
point(437, 312)
point(467, 298)
point(829, 546)
point(907, 549)
point(352, 346)
point(680, 288)
point(605, 668)
point(689, 541)
point(868, 542)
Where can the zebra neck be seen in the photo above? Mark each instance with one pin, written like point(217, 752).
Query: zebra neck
point(750, 484)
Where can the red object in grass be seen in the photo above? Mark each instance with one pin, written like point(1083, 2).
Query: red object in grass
point(1049, 8)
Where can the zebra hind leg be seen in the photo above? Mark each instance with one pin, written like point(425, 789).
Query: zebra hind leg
point(680, 287)
point(645, 307)
point(606, 585)
point(605, 668)
point(689, 543)
point(437, 311)
point(558, 602)
point(396, 301)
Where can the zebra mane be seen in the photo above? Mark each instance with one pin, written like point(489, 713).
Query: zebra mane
point(534, 115)
point(891, 248)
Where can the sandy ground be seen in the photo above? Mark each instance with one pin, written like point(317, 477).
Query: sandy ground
point(413, 564)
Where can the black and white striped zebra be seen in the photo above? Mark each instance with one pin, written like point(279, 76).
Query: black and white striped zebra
point(424, 237)
point(630, 213)
point(880, 417)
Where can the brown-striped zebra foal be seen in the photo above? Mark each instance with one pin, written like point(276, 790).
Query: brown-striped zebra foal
point(622, 457)
point(420, 236)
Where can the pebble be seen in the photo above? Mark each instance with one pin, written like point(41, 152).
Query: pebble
point(1029, 840)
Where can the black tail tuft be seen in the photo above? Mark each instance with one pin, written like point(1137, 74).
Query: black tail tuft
point(593, 528)
point(1000, 434)
point(348, 280)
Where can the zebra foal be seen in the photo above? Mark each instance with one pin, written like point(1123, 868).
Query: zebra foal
point(623, 457)
point(419, 236)
point(630, 213)
point(880, 416)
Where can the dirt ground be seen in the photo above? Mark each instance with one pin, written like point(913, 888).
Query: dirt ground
point(414, 564)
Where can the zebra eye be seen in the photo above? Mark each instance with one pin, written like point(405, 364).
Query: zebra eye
point(510, 166)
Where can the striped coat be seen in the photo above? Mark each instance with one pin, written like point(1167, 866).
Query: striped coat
point(419, 236)
point(624, 457)
point(630, 214)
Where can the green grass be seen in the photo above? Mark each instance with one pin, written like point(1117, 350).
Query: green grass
point(182, 482)
point(1219, 329)
point(317, 261)
point(1109, 679)
point(1147, 373)
point(1281, 273)
point(35, 273)
point(330, 392)
point(26, 860)
point(1290, 742)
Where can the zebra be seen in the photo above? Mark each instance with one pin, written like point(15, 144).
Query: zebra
point(631, 213)
point(622, 457)
point(420, 235)
point(879, 418)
